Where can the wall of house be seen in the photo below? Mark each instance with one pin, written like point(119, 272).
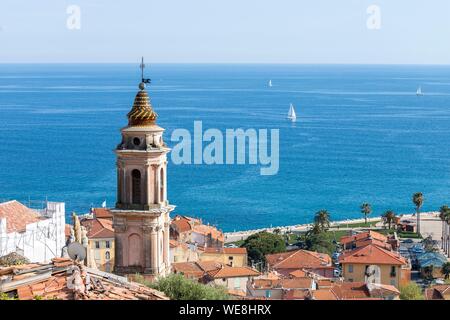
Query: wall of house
point(358, 274)
point(272, 293)
point(235, 283)
point(42, 240)
point(100, 254)
point(205, 240)
point(183, 254)
point(236, 260)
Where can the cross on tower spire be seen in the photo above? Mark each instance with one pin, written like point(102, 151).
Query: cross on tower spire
point(143, 80)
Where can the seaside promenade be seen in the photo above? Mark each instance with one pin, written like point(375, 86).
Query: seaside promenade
point(430, 224)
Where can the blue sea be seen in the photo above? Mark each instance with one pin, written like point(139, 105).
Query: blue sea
point(362, 135)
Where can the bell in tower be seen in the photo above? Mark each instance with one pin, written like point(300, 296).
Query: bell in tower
point(141, 216)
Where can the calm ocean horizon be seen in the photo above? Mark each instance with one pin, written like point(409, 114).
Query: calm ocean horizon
point(362, 135)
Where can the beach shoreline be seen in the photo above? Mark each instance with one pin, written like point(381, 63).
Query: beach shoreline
point(242, 235)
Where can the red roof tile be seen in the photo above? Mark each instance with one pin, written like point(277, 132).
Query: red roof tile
point(351, 291)
point(372, 254)
point(298, 259)
point(364, 236)
point(323, 294)
point(292, 283)
point(17, 216)
point(181, 224)
point(232, 272)
point(102, 213)
point(56, 281)
point(438, 292)
point(98, 228)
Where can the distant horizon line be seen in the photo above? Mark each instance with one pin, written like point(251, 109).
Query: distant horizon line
point(241, 63)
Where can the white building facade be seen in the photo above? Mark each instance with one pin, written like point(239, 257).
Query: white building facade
point(38, 235)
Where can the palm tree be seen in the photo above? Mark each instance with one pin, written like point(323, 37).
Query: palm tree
point(444, 214)
point(418, 202)
point(446, 270)
point(322, 219)
point(366, 209)
point(388, 217)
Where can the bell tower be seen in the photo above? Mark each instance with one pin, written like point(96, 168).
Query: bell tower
point(141, 216)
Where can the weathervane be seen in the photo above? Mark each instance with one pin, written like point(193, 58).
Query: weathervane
point(142, 66)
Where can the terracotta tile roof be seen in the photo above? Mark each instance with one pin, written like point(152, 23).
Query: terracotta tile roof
point(195, 269)
point(324, 283)
point(363, 236)
point(323, 294)
point(17, 216)
point(372, 254)
point(189, 269)
point(297, 294)
point(98, 228)
point(232, 272)
point(181, 224)
point(438, 292)
point(351, 291)
point(209, 265)
point(63, 279)
point(102, 213)
point(226, 250)
point(381, 290)
point(298, 273)
point(298, 259)
point(208, 230)
point(296, 283)
point(212, 269)
point(293, 283)
point(365, 242)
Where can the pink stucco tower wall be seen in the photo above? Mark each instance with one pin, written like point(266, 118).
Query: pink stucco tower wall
point(141, 216)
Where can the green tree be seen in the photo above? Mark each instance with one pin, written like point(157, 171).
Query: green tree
point(411, 291)
point(6, 296)
point(316, 240)
point(277, 231)
point(322, 219)
point(417, 199)
point(177, 287)
point(366, 209)
point(444, 215)
point(262, 243)
point(446, 270)
point(388, 217)
point(428, 272)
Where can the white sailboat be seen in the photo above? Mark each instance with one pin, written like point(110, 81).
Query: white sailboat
point(419, 91)
point(291, 114)
point(270, 83)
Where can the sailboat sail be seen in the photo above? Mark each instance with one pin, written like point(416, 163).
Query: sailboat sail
point(291, 114)
point(419, 91)
point(270, 83)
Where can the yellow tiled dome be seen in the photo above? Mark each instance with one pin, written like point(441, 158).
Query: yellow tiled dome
point(142, 113)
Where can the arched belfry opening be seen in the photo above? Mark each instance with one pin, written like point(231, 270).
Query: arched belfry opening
point(136, 186)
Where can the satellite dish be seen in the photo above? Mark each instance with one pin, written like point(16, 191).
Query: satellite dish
point(76, 251)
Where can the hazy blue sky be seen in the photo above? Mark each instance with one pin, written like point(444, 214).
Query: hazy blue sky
point(275, 31)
